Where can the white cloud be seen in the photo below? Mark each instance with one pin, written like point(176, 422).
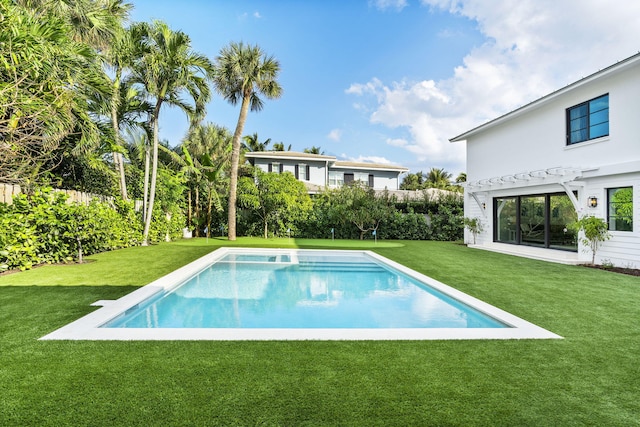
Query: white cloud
point(389, 4)
point(335, 135)
point(370, 159)
point(532, 47)
point(397, 142)
point(257, 15)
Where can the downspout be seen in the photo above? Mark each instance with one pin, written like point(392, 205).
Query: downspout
point(326, 174)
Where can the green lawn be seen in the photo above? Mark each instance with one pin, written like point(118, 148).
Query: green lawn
point(592, 377)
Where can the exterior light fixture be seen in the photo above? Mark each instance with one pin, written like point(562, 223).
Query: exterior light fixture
point(484, 205)
point(593, 202)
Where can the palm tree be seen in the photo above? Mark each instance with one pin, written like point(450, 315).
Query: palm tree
point(243, 73)
point(44, 99)
point(438, 178)
point(279, 146)
point(313, 150)
point(252, 143)
point(462, 177)
point(126, 104)
point(206, 153)
point(413, 181)
point(94, 22)
point(169, 69)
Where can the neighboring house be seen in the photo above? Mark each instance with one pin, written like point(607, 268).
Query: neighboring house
point(532, 172)
point(319, 171)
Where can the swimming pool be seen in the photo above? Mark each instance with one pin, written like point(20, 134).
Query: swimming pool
point(263, 294)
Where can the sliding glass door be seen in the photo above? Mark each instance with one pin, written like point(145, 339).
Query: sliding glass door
point(536, 220)
point(532, 220)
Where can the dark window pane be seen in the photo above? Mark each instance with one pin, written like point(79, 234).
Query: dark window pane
point(578, 136)
point(620, 208)
point(601, 103)
point(577, 112)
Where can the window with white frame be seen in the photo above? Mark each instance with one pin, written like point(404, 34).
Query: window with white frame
point(336, 179)
point(620, 208)
point(588, 120)
point(302, 172)
point(362, 177)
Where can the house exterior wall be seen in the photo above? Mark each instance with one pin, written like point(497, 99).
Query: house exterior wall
point(534, 139)
point(321, 168)
point(381, 179)
point(317, 170)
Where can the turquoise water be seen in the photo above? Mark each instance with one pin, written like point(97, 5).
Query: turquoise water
point(306, 291)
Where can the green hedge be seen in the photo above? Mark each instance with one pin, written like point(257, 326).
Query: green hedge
point(428, 219)
point(44, 228)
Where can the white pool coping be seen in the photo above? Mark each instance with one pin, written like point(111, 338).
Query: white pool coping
point(88, 327)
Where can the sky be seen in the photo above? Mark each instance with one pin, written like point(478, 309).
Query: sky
point(391, 81)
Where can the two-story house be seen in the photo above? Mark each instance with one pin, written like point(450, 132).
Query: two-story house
point(319, 171)
point(532, 172)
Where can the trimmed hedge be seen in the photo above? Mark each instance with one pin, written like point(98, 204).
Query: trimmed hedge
point(44, 228)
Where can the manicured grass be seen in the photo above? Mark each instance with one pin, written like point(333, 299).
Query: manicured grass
point(592, 377)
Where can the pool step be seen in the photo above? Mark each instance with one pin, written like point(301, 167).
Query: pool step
point(340, 266)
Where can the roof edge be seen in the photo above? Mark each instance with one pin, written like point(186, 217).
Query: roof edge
point(627, 62)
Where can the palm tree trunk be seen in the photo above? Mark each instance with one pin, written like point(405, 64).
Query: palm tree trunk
point(145, 200)
point(197, 213)
point(117, 157)
point(235, 160)
point(154, 175)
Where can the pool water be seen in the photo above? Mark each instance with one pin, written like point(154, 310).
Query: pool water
point(302, 290)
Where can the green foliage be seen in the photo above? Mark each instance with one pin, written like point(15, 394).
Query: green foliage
point(432, 218)
point(595, 231)
point(44, 228)
point(279, 201)
point(474, 225)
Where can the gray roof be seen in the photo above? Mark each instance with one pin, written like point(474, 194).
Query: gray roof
point(335, 163)
point(293, 155)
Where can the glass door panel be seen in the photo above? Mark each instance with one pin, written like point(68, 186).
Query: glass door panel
point(506, 210)
point(562, 216)
point(532, 220)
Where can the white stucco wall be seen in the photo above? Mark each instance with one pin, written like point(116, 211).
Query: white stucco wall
point(534, 139)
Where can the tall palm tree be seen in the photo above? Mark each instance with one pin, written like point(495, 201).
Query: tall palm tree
point(169, 69)
point(206, 155)
point(243, 73)
point(126, 105)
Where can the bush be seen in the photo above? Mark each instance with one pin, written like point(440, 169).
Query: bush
point(43, 228)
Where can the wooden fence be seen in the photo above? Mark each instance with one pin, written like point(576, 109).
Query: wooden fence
point(7, 191)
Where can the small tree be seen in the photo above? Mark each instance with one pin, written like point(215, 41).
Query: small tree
point(359, 205)
point(279, 200)
point(474, 225)
point(595, 231)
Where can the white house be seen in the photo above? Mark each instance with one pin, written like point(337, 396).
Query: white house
point(575, 152)
point(319, 171)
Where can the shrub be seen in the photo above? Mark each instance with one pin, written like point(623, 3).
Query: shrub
point(43, 227)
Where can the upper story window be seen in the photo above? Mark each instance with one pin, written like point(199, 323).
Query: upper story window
point(302, 172)
point(588, 120)
point(620, 208)
point(276, 167)
point(336, 179)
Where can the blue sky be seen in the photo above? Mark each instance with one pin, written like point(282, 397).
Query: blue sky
point(390, 81)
